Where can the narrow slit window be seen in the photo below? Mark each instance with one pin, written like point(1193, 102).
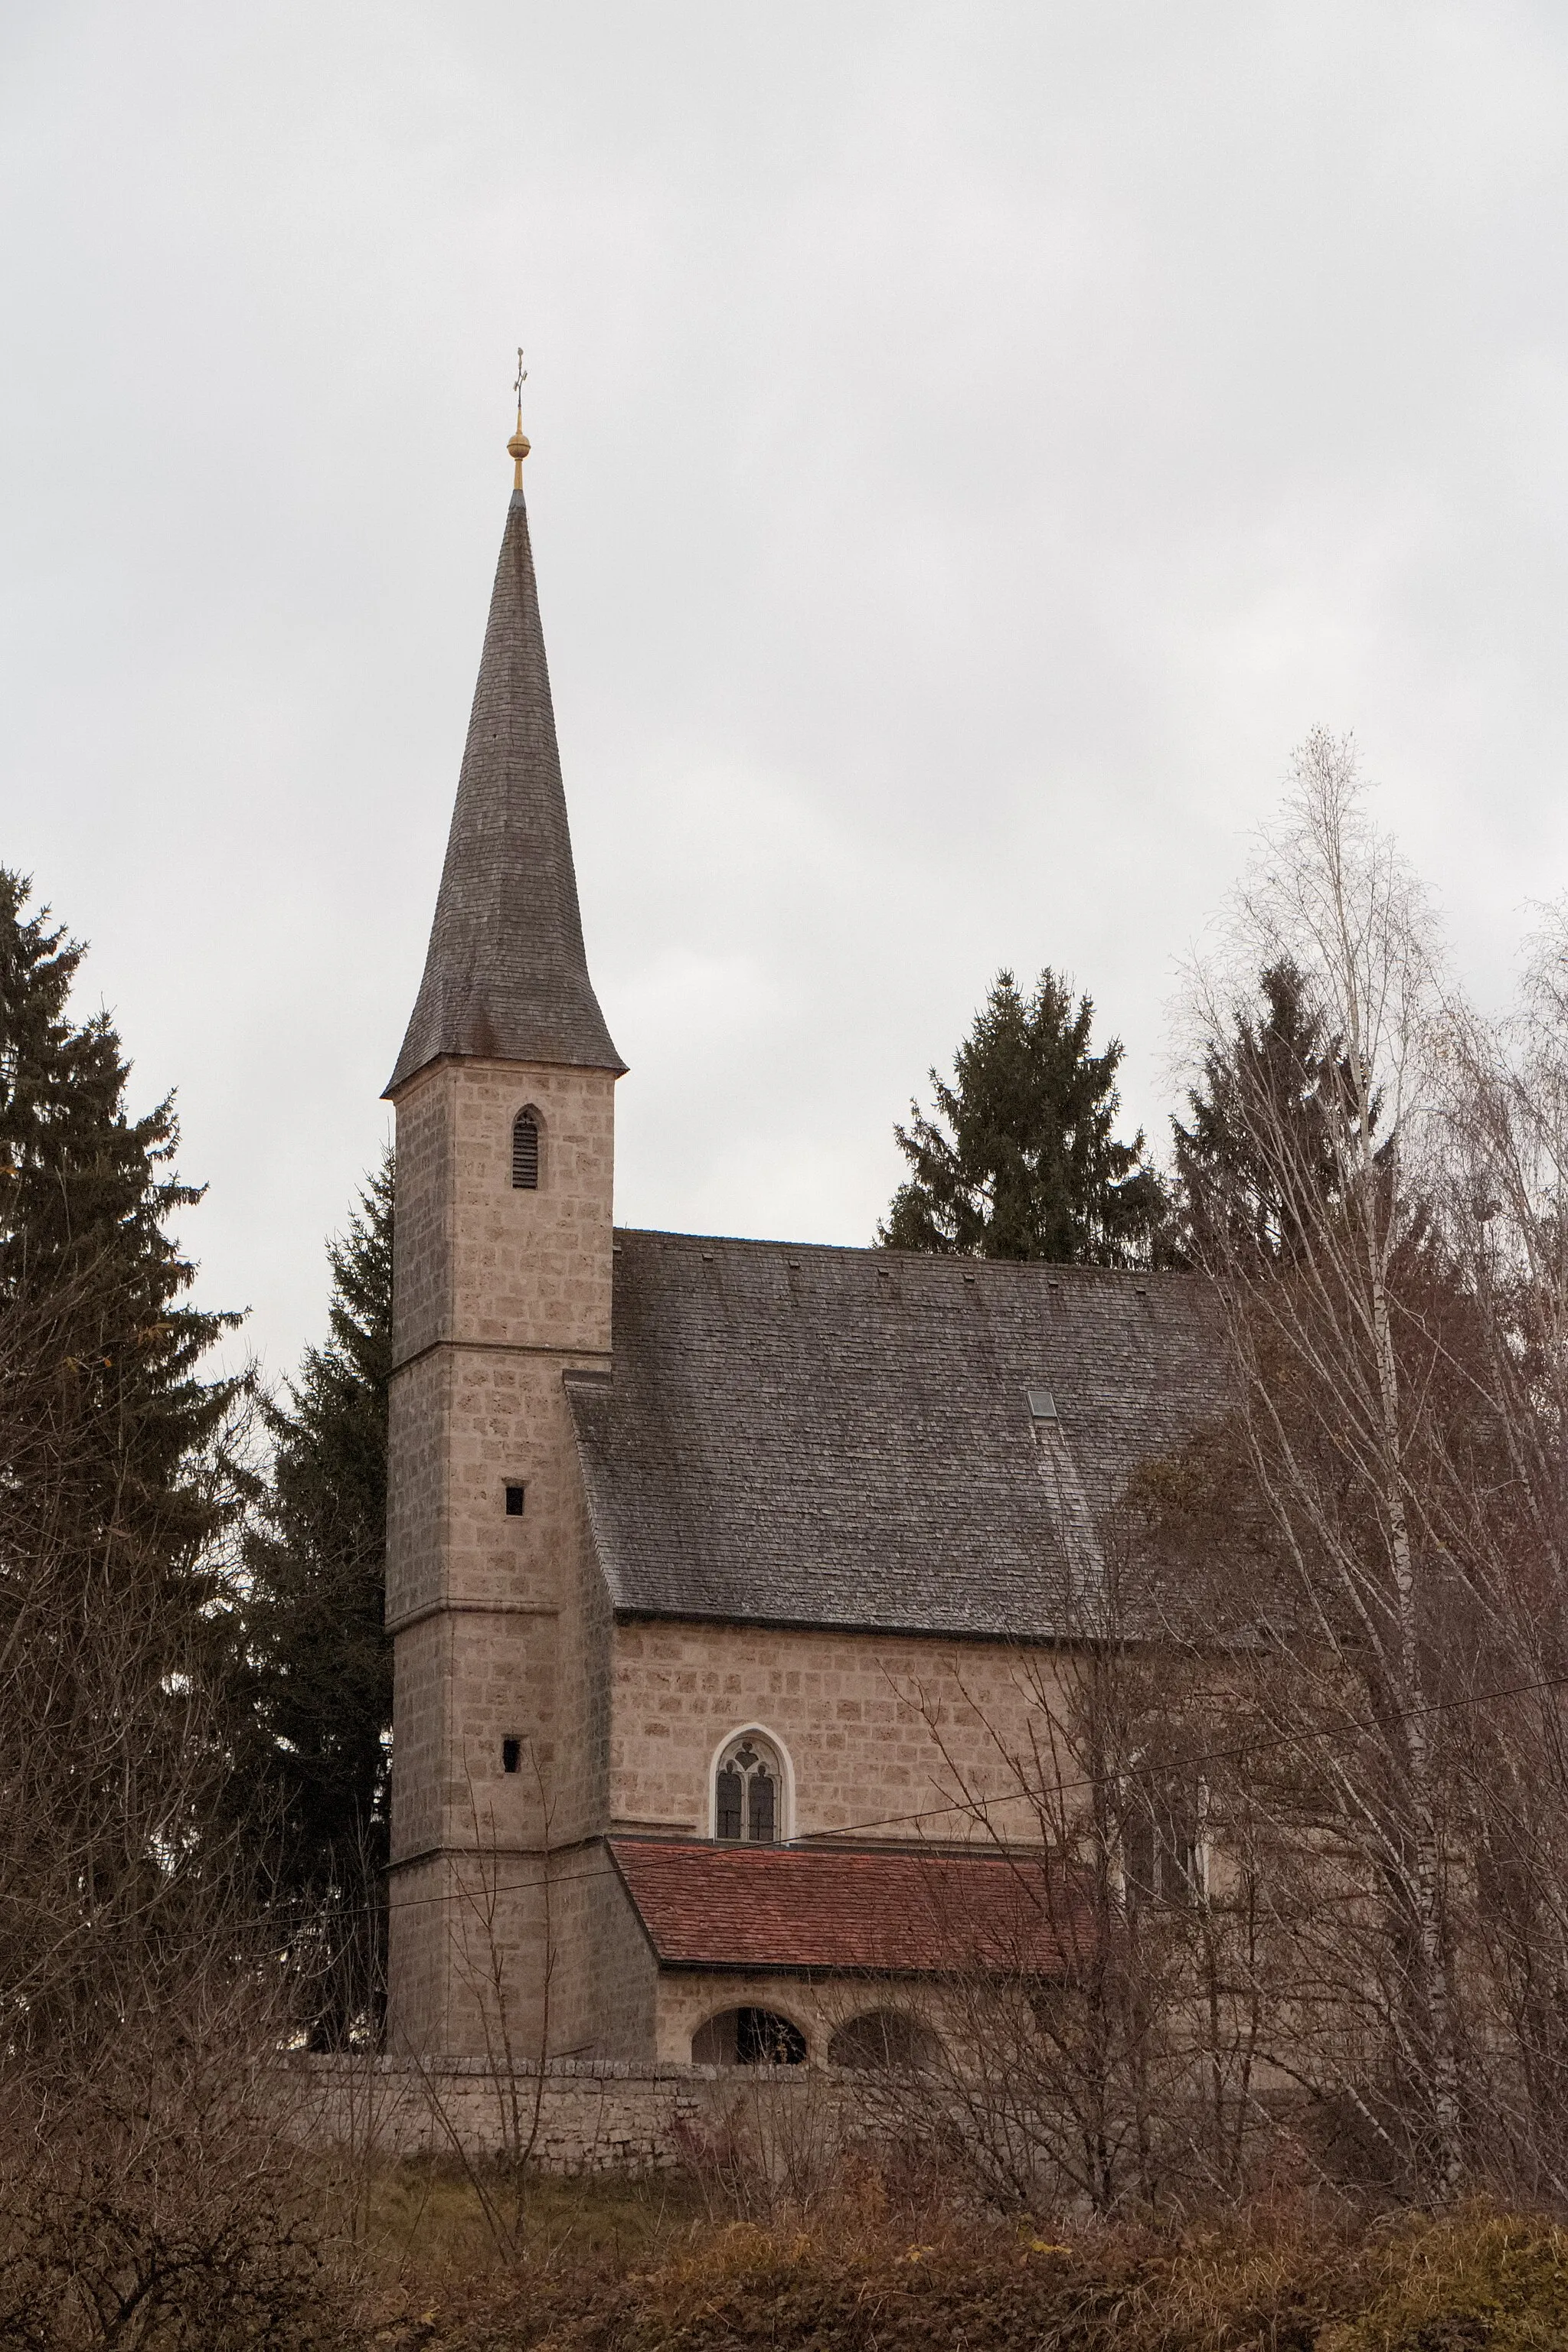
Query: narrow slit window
point(525, 1152)
point(511, 1755)
point(514, 1502)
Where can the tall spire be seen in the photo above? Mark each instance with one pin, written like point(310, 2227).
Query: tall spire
point(506, 978)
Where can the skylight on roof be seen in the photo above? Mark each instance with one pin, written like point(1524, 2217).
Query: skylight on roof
point(1042, 1405)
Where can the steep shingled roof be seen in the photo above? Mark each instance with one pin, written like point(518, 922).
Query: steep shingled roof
point(807, 1436)
point(505, 976)
point(830, 1907)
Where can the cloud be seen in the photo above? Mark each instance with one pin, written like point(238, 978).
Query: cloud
point(972, 446)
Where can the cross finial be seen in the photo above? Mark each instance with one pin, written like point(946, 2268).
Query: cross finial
point(517, 446)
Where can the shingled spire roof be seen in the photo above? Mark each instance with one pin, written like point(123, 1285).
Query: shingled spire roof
point(506, 978)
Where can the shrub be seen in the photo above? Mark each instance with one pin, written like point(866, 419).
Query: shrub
point(1481, 2281)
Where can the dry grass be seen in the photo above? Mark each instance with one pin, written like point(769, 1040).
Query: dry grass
point(649, 2267)
point(424, 2224)
point(208, 2240)
point(1482, 2280)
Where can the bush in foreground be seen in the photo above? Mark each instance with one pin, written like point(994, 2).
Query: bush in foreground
point(1302, 2280)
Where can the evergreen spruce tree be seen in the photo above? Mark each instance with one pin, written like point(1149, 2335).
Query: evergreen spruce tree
point(85, 1195)
point(1019, 1160)
point(112, 1499)
point(319, 1657)
point(1256, 1166)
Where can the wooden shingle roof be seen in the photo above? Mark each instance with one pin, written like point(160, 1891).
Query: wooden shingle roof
point(506, 977)
point(796, 1435)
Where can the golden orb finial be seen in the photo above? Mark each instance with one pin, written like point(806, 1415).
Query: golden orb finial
point(518, 447)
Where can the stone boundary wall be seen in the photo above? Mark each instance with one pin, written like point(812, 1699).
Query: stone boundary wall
point(594, 2115)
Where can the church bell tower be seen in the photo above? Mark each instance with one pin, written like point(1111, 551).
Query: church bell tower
point(503, 1095)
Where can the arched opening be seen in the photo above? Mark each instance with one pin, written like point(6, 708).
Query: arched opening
point(884, 2038)
point(748, 2037)
point(748, 1791)
point(525, 1151)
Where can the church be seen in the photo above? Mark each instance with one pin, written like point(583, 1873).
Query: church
point(725, 1578)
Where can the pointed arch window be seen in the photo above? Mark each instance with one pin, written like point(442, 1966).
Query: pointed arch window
point(748, 1791)
point(525, 1151)
point(1164, 1856)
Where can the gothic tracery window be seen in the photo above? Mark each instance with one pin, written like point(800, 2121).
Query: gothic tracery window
point(1162, 1839)
point(748, 1791)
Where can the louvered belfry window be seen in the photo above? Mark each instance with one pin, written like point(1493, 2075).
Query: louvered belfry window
point(746, 1791)
point(525, 1152)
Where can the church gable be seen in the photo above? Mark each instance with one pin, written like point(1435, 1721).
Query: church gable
point(858, 1439)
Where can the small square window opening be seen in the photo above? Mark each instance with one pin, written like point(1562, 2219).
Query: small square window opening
point(514, 1502)
point(511, 1755)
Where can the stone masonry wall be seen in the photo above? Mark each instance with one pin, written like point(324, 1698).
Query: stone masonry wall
point(579, 1790)
point(417, 1957)
point(883, 1734)
point(817, 2007)
point(621, 1985)
point(532, 1268)
point(606, 2116)
point(421, 1240)
point(421, 1685)
point(498, 1292)
point(418, 1418)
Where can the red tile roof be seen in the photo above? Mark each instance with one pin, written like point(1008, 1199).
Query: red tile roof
point(830, 1907)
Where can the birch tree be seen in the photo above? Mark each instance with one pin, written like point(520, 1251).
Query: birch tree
point(1336, 1292)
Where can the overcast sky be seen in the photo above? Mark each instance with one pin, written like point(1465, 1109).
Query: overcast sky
point(973, 443)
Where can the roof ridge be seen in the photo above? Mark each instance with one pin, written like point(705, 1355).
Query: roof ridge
point(1051, 1268)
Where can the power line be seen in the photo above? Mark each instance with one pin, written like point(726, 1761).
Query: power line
point(1242, 1748)
point(1062, 1788)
